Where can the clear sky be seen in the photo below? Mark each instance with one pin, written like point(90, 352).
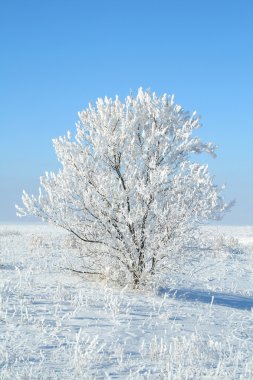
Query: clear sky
point(57, 55)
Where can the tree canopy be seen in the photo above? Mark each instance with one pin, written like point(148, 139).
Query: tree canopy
point(128, 187)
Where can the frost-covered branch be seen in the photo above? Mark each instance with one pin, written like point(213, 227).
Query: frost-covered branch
point(128, 184)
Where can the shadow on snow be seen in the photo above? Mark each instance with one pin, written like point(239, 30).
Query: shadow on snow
point(222, 299)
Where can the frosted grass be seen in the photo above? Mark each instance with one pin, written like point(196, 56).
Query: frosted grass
point(57, 325)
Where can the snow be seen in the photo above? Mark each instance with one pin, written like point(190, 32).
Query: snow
point(195, 324)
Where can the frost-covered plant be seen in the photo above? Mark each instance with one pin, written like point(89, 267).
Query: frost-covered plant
point(127, 187)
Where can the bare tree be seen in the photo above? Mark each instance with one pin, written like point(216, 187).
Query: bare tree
point(127, 187)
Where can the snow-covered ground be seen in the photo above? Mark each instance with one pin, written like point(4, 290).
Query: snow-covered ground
point(198, 324)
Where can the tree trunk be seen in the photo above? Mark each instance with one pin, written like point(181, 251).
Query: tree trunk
point(136, 279)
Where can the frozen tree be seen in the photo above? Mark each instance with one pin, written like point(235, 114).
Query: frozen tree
point(127, 187)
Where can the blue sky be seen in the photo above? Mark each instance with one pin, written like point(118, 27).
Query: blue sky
point(57, 55)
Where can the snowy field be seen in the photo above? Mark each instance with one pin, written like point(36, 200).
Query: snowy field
point(54, 324)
